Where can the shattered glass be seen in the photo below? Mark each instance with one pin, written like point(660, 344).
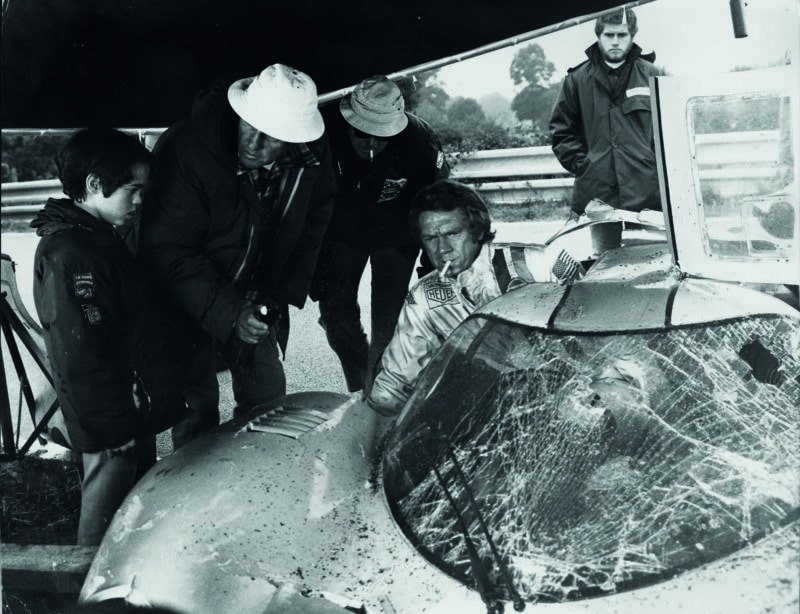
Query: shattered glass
point(599, 462)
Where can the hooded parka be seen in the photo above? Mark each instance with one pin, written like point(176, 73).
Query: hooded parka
point(606, 141)
point(202, 224)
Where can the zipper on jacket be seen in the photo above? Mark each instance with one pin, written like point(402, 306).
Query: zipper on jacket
point(246, 253)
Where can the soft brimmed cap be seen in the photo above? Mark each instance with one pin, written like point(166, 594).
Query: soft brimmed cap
point(280, 102)
point(376, 107)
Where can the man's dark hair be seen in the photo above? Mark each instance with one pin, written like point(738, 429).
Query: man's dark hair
point(614, 18)
point(104, 152)
point(448, 195)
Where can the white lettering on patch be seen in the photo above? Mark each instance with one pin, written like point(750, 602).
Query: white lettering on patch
point(391, 189)
point(83, 285)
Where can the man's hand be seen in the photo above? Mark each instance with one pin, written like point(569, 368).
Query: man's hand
point(248, 327)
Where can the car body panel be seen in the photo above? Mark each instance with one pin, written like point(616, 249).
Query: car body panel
point(660, 298)
point(247, 517)
point(237, 514)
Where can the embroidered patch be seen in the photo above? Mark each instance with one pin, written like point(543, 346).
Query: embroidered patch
point(410, 299)
point(391, 188)
point(638, 91)
point(439, 293)
point(92, 314)
point(440, 159)
point(83, 284)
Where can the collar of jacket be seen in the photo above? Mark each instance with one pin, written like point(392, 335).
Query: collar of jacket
point(478, 284)
point(60, 214)
point(596, 57)
point(297, 155)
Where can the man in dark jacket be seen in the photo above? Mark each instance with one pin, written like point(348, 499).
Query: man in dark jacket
point(601, 129)
point(382, 157)
point(94, 306)
point(240, 199)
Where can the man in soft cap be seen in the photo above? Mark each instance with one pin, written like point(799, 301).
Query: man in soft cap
point(382, 157)
point(232, 226)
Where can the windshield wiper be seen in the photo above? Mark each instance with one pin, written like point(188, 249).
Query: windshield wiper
point(493, 603)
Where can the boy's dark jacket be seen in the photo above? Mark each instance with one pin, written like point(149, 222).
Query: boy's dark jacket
point(94, 306)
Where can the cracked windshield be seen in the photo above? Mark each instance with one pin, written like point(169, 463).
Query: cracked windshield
point(598, 462)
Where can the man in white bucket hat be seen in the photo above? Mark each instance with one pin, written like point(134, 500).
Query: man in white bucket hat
point(241, 196)
point(382, 157)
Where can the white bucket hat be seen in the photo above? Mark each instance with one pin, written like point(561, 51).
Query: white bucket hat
point(280, 102)
point(376, 107)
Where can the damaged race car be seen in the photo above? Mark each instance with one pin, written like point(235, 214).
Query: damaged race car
point(626, 442)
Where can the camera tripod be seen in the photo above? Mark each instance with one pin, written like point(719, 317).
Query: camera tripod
point(18, 327)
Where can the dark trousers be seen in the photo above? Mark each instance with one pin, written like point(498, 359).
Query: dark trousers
point(259, 380)
point(340, 314)
point(107, 479)
point(200, 389)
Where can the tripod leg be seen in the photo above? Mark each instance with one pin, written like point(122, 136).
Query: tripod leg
point(6, 427)
point(19, 366)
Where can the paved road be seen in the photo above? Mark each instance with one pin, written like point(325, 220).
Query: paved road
point(310, 364)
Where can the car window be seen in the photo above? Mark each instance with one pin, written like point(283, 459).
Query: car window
point(746, 214)
point(599, 462)
point(729, 146)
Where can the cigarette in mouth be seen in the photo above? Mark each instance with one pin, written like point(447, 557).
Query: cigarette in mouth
point(371, 155)
point(443, 272)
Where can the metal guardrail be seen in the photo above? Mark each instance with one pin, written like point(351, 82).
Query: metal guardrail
point(728, 162)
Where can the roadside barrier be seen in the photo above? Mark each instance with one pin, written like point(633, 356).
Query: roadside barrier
point(727, 163)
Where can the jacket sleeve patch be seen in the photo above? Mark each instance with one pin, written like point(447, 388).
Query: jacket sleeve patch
point(439, 160)
point(83, 285)
point(638, 91)
point(92, 314)
point(391, 188)
point(410, 300)
point(439, 294)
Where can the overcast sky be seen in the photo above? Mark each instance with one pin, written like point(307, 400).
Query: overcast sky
point(688, 36)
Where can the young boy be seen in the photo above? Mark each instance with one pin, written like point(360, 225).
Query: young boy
point(94, 307)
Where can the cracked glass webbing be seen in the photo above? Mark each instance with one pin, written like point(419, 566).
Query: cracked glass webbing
point(599, 463)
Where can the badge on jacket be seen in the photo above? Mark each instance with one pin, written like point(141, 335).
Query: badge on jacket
point(92, 314)
point(439, 294)
point(391, 188)
point(83, 285)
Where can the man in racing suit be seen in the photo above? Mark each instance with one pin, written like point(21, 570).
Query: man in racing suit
point(453, 225)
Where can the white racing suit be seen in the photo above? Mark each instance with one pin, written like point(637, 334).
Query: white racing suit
point(433, 308)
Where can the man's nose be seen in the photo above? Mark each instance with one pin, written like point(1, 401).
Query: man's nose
point(257, 141)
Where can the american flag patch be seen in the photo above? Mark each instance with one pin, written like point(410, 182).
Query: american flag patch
point(566, 269)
